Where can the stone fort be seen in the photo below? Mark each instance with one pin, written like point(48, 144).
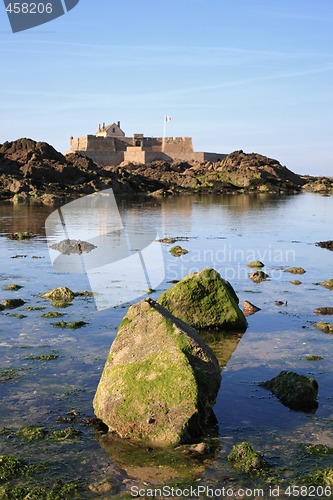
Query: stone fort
point(110, 147)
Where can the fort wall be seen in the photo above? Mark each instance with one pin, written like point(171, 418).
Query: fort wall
point(109, 150)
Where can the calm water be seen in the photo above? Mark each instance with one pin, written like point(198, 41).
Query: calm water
point(220, 232)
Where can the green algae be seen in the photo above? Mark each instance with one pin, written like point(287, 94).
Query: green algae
point(65, 434)
point(320, 477)
point(313, 358)
point(10, 467)
point(7, 374)
point(44, 357)
point(59, 491)
point(246, 459)
point(74, 325)
point(32, 433)
point(17, 315)
point(318, 450)
point(52, 314)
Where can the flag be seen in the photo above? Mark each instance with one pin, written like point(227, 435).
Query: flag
point(168, 118)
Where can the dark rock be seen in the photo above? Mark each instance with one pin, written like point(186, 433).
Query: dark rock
point(258, 276)
point(325, 244)
point(297, 392)
point(12, 303)
point(324, 311)
point(160, 380)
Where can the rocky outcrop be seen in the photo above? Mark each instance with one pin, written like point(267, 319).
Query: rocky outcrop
point(297, 392)
point(160, 380)
point(205, 301)
point(35, 170)
point(32, 170)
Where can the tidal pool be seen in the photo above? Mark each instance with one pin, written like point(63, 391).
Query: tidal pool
point(48, 375)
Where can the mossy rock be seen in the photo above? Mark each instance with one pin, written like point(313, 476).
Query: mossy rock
point(205, 301)
point(255, 263)
point(25, 235)
point(295, 270)
point(160, 380)
point(61, 294)
point(324, 311)
point(246, 459)
point(324, 327)
point(65, 434)
point(52, 314)
point(327, 284)
point(13, 287)
point(177, 251)
point(12, 303)
point(296, 282)
point(297, 392)
point(73, 325)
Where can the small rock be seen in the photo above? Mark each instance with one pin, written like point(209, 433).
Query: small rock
point(295, 270)
point(104, 486)
point(12, 303)
point(249, 308)
point(246, 459)
point(258, 276)
point(325, 311)
point(200, 448)
point(325, 244)
point(279, 303)
point(296, 282)
point(324, 327)
point(69, 247)
point(61, 294)
point(177, 251)
point(327, 284)
point(13, 287)
point(255, 263)
point(168, 241)
point(297, 392)
point(21, 236)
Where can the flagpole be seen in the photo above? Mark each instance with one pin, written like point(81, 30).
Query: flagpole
point(164, 132)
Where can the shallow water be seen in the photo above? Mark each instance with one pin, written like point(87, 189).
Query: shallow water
point(220, 232)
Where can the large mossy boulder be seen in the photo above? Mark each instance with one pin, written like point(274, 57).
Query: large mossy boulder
point(297, 392)
point(160, 380)
point(205, 301)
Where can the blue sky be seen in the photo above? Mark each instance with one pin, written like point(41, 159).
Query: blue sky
point(255, 75)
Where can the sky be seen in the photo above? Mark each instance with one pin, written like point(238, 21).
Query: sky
point(255, 75)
